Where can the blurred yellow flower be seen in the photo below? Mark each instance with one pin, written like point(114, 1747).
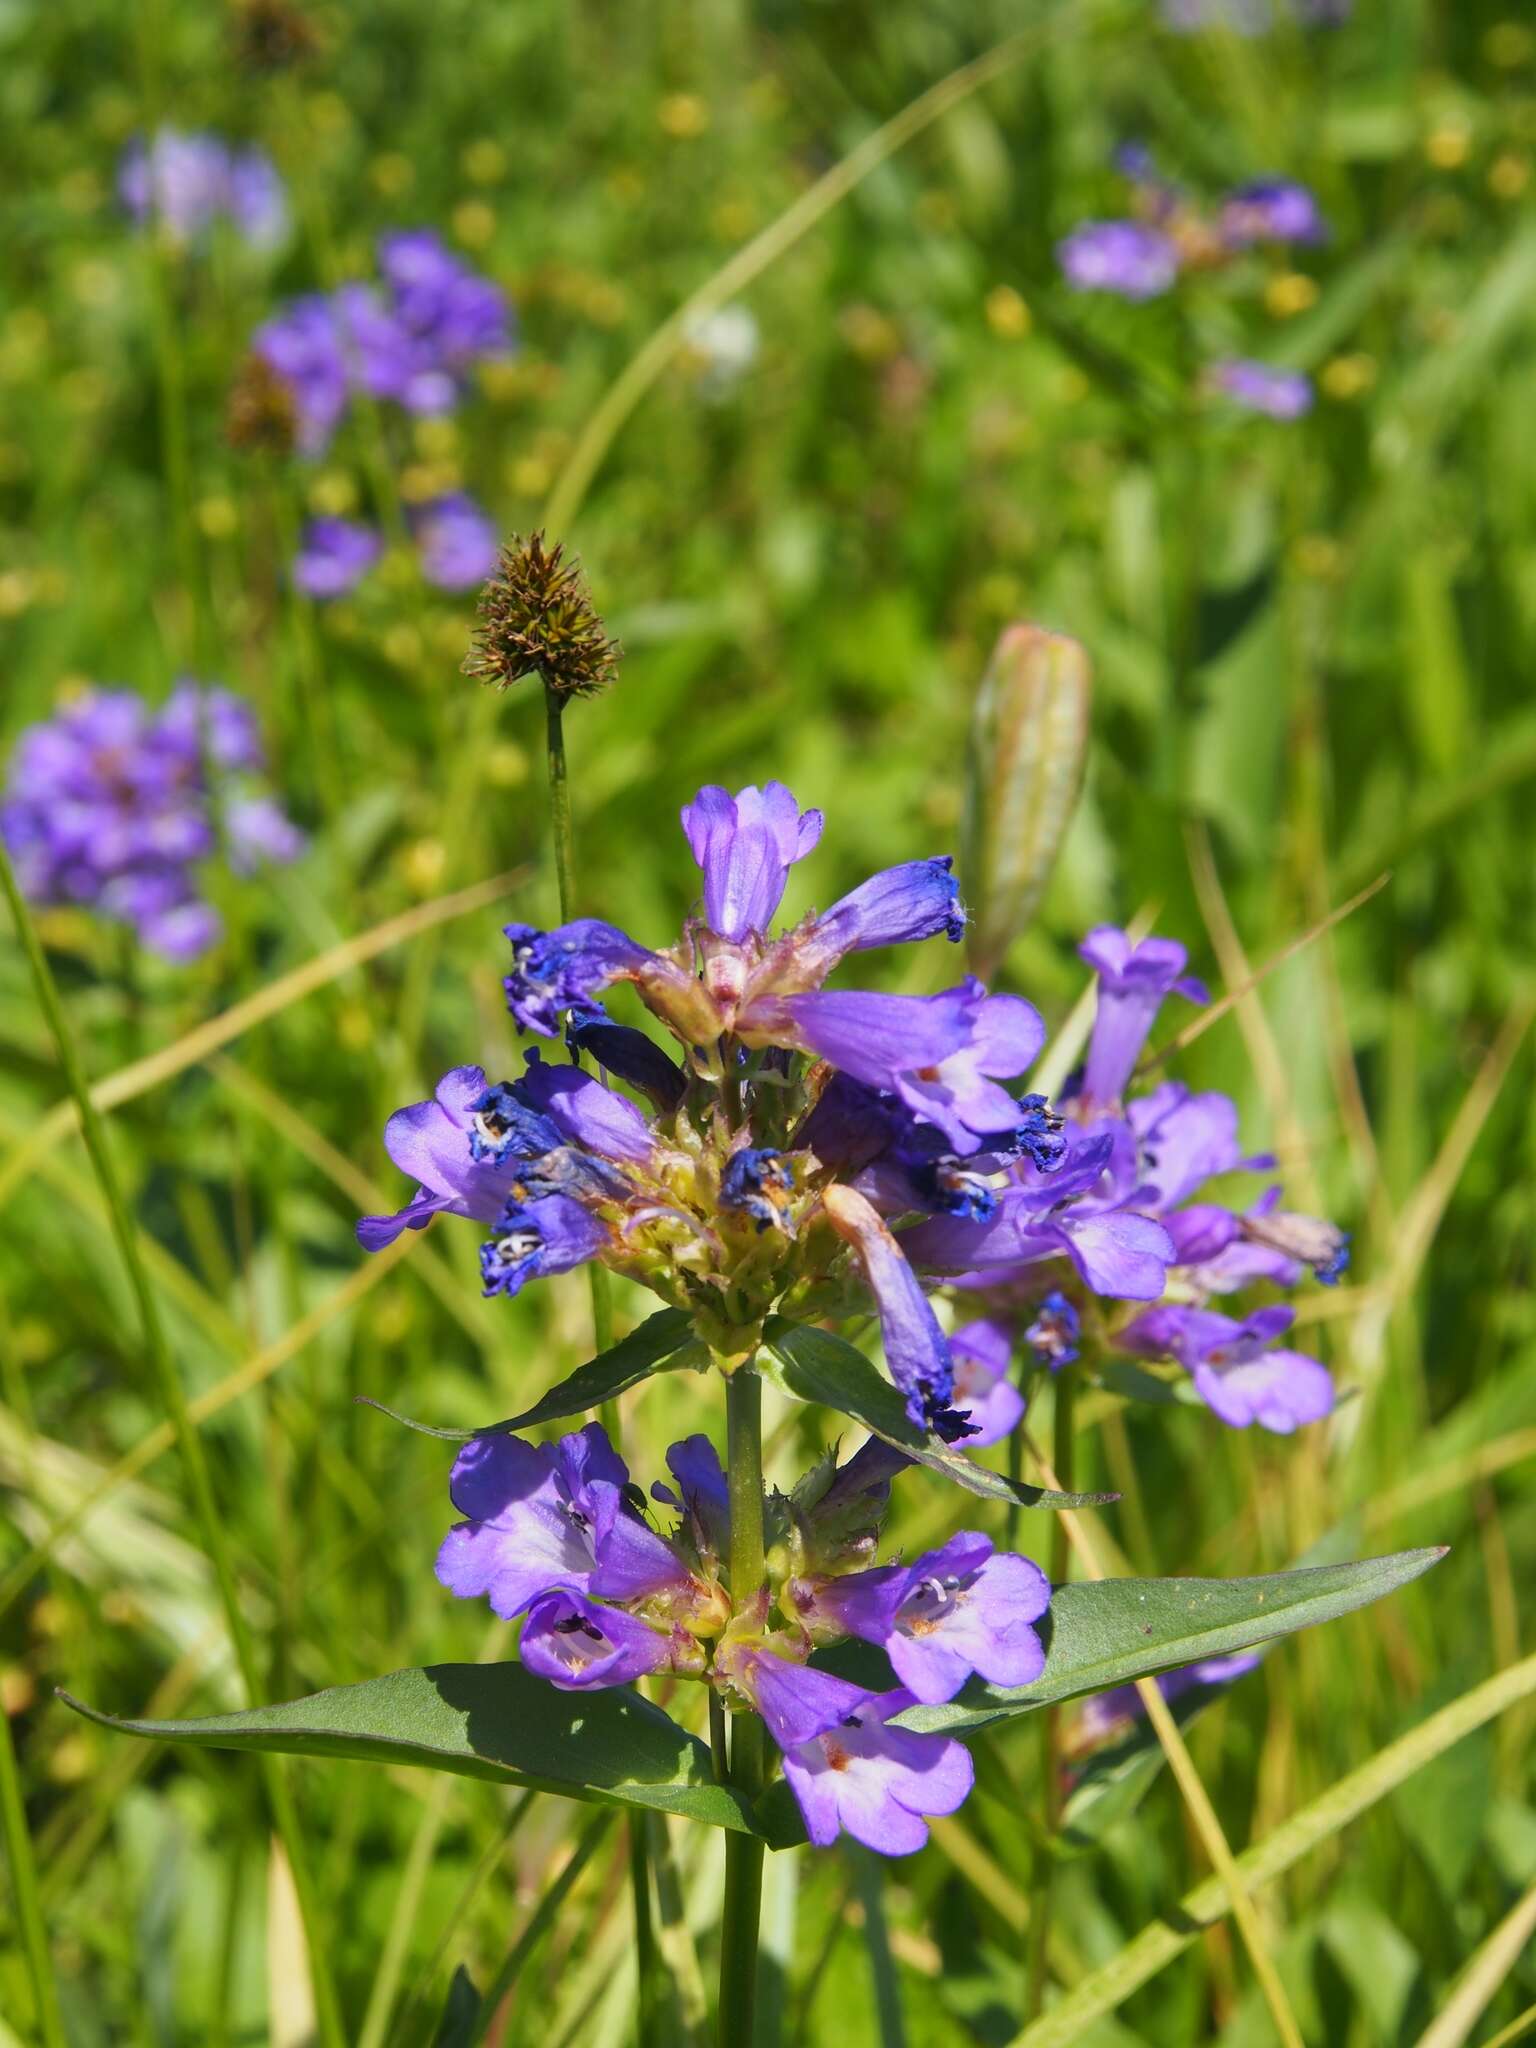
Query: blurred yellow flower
point(1007, 314)
point(402, 645)
point(218, 517)
point(333, 494)
point(1508, 175)
point(423, 863)
point(16, 592)
point(1509, 44)
point(1348, 376)
point(506, 765)
point(474, 223)
point(683, 115)
point(422, 480)
point(1289, 294)
point(1319, 555)
point(392, 173)
point(436, 437)
point(484, 161)
point(1449, 143)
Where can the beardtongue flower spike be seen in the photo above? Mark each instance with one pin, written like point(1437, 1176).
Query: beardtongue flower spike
point(1133, 980)
point(850, 1772)
point(959, 1611)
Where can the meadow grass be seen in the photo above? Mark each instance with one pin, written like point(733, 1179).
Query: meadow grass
point(1311, 645)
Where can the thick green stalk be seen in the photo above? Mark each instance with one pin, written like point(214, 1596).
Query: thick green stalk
point(743, 1853)
point(190, 1445)
point(1043, 1889)
point(29, 1911)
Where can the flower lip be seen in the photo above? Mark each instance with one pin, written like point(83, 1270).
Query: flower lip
point(745, 845)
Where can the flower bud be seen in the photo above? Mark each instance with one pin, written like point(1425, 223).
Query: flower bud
point(1028, 740)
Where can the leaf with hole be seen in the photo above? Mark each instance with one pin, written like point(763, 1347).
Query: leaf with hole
point(482, 1721)
point(814, 1366)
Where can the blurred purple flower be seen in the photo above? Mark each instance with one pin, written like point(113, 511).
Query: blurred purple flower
point(1124, 257)
point(1272, 210)
point(982, 1352)
point(334, 556)
point(188, 182)
point(113, 805)
point(1278, 394)
point(1239, 1371)
point(1108, 1713)
point(456, 540)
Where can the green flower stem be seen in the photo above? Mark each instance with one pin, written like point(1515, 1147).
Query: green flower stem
point(743, 1853)
point(188, 1442)
point(1044, 1885)
point(24, 1892)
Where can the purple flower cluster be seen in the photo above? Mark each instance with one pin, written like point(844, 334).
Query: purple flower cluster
point(1144, 257)
point(1256, 387)
point(557, 1535)
point(808, 1144)
point(186, 183)
point(411, 339)
point(114, 805)
point(1109, 1715)
point(455, 540)
point(1139, 1162)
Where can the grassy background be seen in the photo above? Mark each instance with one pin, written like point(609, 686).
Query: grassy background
point(1312, 648)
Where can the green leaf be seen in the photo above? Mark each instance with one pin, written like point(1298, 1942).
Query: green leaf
point(816, 1367)
point(662, 1343)
point(1118, 1629)
point(483, 1721)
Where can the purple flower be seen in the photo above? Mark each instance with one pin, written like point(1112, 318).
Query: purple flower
point(849, 1771)
point(334, 556)
point(702, 1495)
point(113, 805)
point(1053, 1334)
point(1124, 257)
point(915, 1347)
point(1133, 980)
point(621, 1050)
point(534, 1239)
point(746, 845)
point(303, 344)
point(1272, 210)
point(1237, 1371)
point(564, 969)
point(759, 1181)
point(954, 1612)
point(916, 900)
point(941, 1055)
point(1278, 394)
point(188, 182)
point(1182, 1141)
point(1251, 17)
point(576, 1644)
point(431, 1142)
point(1121, 1253)
point(542, 1518)
point(1108, 1713)
point(982, 1352)
point(456, 540)
point(586, 1113)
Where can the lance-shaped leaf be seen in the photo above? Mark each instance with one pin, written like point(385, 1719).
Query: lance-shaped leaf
point(1102, 1634)
point(482, 1721)
point(827, 1371)
point(664, 1342)
point(1024, 769)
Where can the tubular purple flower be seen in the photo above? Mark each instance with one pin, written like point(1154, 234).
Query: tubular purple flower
point(334, 556)
point(586, 1113)
point(534, 1239)
point(1237, 1371)
point(702, 1493)
point(622, 1050)
point(1108, 1713)
point(941, 1055)
point(432, 1142)
point(1054, 1332)
point(456, 542)
point(1272, 210)
point(915, 1347)
point(1256, 387)
point(850, 1772)
point(1124, 257)
point(746, 845)
point(563, 969)
point(916, 900)
point(542, 1518)
point(982, 1352)
point(1133, 980)
point(578, 1646)
point(1184, 1140)
point(953, 1613)
point(1119, 1252)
